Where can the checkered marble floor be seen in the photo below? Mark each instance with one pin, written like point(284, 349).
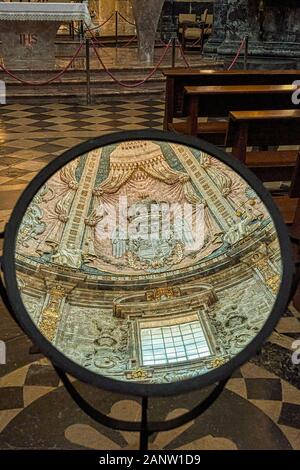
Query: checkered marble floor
point(260, 407)
point(32, 136)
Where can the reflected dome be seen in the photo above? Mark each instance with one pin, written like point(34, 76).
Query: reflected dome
point(148, 261)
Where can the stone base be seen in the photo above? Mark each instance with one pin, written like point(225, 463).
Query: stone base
point(28, 45)
point(263, 63)
point(266, 49)
point(211, 46)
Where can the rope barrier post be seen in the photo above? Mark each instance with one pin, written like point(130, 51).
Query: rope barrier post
point(127, 85)
point(116, 25)
point(246, 50)
point(81, 34)
point(173, 51)
point(88, 71)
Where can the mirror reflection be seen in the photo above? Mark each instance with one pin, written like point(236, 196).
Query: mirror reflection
point(148, 261)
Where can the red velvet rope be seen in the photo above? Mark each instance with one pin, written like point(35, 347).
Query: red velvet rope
point(126, 85)
point(125, 19)
point(98, 26)
point(104, 22)
point(95, 39)
point(133, 85)
point(183, 55)
point(237, 54)
point(196, 42)
point(129, 42)
point(199, 39)
point(46, 82)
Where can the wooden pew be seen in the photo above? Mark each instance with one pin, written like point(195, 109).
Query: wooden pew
point(262, 128)
point(218, 101)
point(273, 128)
point(289, 205)
point(270, 128)
point(178, 78)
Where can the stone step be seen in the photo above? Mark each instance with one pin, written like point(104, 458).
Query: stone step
point(100, 81)
point(73, 90)
point(77, 74)
point(71, 86)
point(78, 96)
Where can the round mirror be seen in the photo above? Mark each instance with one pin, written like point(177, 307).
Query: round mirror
point(147, 263)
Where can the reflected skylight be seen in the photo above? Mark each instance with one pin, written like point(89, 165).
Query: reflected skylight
point(175, 343)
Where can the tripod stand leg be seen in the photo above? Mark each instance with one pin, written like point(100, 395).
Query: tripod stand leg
point(144, 423)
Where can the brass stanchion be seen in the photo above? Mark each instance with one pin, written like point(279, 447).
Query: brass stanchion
point(173, 51)
point(116, 26)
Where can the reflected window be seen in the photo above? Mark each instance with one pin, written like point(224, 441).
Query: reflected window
point(172, 344)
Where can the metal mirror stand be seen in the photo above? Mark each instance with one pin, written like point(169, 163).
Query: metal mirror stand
point(144, 427)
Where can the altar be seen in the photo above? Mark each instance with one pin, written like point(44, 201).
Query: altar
point(28, 32)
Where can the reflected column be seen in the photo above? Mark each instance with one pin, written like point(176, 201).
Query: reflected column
point(265, 269)
point(52, 312)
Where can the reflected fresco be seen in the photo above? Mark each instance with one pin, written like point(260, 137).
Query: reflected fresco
point(148, 261)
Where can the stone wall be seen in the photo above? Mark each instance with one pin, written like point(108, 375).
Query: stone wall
point(273, 27)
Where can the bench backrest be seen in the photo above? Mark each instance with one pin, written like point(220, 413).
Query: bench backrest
point(265, 128)
point(218, 101)
point(178, 78)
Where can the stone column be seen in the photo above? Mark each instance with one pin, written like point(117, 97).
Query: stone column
point(52, 312)
point(237, 25)
point(265, 269)
point(55, 304)
point(219, 26)
point(281, 29)
point(146, 14)
point(70, 250)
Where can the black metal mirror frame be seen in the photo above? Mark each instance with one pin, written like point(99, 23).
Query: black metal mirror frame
point(17, 308)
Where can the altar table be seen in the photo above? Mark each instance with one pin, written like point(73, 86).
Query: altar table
point(28, 32)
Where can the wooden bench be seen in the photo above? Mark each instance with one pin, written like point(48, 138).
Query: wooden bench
point(218, 101)
point(269, 128)
point(289, 205)
point(178, 78)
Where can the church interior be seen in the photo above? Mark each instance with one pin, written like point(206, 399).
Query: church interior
point(123, 304)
